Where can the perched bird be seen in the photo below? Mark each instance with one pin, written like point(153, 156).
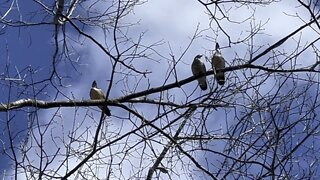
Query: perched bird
point(97, 93)
point(218, 63)
point(198, 68)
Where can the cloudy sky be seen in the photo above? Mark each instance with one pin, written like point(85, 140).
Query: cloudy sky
point(171, 23)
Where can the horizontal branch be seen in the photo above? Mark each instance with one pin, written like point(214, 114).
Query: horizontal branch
point(227, 69)
point(52, 104)
point(136, 97)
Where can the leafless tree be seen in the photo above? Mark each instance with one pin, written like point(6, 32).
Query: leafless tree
point(262, 123)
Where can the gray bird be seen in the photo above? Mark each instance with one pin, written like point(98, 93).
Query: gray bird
point(198, 68)
point(218, 63)
point(97, 93)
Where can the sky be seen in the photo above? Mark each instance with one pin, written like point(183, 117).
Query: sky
point(171, 23)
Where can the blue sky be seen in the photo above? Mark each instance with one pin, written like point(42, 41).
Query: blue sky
point(171, 24)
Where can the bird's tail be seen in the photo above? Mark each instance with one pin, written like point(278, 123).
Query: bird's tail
point(203, 86)
point(203, 83)
point(220, 78)
point(105, 110)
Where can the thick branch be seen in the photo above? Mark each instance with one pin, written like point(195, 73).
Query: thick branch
point(51, 104)
point(72, 103)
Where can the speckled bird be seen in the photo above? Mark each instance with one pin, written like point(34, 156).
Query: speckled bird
point(218, 63)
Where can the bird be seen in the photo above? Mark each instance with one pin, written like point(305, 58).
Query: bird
point(97, 93)
point(218, 63)
point(198, 68)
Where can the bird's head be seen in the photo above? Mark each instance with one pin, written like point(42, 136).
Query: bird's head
point(198, 56)
point(94, 84)
point(217, 46)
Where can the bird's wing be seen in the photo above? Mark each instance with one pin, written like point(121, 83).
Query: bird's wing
point(194, 68)
point(101, 94)
point(198, 67)
point(218, 61)
point(203, 69)
point(96, 93)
